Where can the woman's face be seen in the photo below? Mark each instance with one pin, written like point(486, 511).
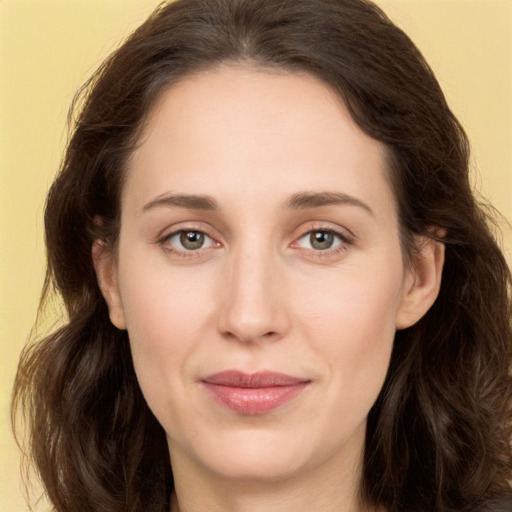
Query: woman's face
point(259, 274)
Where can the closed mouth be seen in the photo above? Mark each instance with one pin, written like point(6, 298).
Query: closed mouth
point(254, 393)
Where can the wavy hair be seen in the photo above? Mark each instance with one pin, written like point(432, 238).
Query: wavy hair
point(438, 437)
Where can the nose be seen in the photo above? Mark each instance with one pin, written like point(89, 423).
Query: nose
point(254, 305)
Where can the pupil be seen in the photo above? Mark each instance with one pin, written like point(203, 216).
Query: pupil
point(191, 240)
point(321, 240)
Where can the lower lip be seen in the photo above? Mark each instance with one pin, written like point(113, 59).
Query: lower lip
point(252, 401)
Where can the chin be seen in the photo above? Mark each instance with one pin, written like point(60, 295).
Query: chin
point(252, 455)
point(249, 466)
point(264, 456)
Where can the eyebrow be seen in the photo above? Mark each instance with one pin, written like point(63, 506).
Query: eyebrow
point(299, 201)
point(193, 202)
point(305, 200)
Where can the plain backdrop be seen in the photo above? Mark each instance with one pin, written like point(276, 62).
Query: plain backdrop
point(49, 47)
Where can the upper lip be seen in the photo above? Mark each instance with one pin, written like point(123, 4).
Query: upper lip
point(262, 379)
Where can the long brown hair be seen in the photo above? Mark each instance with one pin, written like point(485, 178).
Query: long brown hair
point(438, 437)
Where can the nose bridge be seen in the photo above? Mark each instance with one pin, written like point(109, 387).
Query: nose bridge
point(252, 298)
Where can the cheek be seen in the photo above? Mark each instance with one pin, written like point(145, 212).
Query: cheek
point(166, 313)
point(354, 328)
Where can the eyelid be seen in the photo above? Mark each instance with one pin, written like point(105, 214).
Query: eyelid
point(167, 235)
point(307, 235)
point(306, 228)
point(177, 234)
point(345, 236)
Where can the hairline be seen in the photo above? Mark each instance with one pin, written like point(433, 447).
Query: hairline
point(159, 87)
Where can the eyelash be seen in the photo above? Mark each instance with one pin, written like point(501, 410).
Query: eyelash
point(164, 241)
point(344, 241)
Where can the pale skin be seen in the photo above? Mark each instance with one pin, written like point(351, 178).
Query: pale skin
point(259, 232)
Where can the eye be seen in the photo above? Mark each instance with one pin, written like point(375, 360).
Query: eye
point(321, 240)
point(189, 240)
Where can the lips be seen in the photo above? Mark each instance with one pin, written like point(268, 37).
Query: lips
point(255, 393)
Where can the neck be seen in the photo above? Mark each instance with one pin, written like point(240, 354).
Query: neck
point(268, 503)
point(327, 489)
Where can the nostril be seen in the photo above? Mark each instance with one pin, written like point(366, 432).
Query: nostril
point(250, 310)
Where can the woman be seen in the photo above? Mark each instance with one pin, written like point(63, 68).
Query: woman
point(281, 292)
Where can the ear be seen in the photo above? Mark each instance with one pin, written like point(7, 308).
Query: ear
point(422, 282)
point(104, 265)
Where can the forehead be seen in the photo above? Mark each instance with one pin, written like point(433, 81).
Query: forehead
point(239, 129)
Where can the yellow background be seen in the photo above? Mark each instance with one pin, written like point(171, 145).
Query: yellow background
point(49, 47)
